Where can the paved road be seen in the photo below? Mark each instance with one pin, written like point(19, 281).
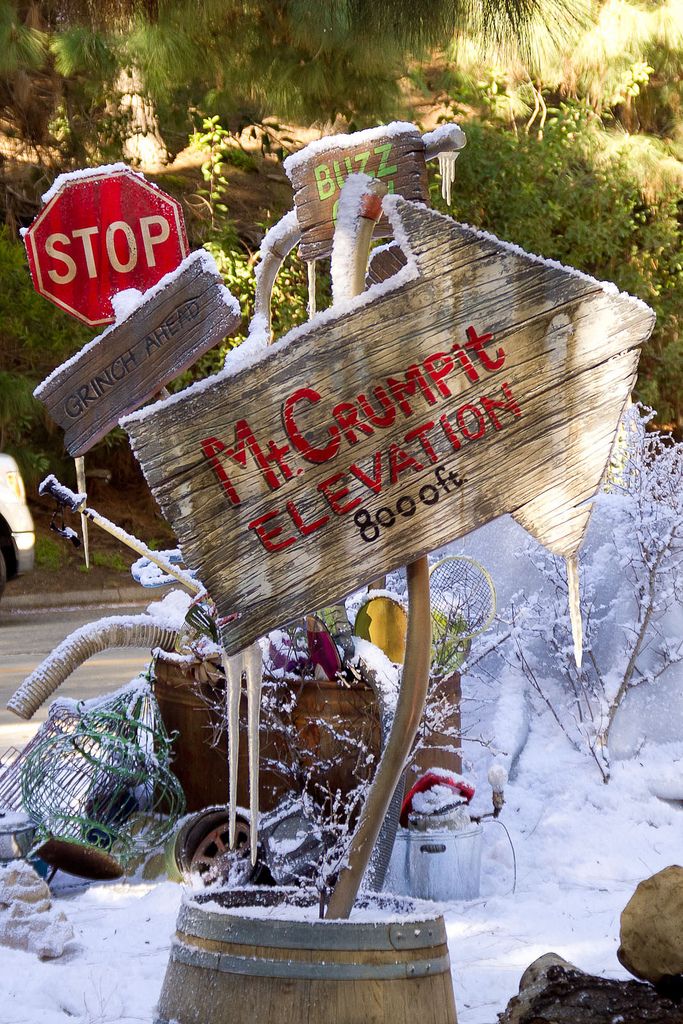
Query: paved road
point(27, 637)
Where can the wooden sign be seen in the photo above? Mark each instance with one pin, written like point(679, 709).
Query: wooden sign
point(394, 155)
point(177, 321)
point(479, 381)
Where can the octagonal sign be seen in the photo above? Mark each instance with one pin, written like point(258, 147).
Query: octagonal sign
point(100, 232)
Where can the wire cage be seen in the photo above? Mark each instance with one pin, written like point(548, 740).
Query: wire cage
point(103, 782)
point(62, 719)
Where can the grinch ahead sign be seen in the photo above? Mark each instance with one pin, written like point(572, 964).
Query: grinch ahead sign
point(477, 381)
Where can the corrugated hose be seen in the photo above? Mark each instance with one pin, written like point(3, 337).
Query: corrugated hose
point(102, 635)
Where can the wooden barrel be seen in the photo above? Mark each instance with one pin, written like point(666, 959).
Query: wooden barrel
point(226, 968)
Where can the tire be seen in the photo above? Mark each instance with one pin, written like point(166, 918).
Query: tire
point(200, 848)
point(3, 572)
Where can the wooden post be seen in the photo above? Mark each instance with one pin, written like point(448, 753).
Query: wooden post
point(409, 708)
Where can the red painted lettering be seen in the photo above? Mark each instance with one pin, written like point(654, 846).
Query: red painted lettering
point(466, 363)
point(246, 442)
point(476, 344)
point(305, 528)
point(300, 442)
point(211, 446)
point(421, 434)
point(267, 536)
point(437, 376)
point(471, 435)
point(276, 455)
point(447, 428)
point(389, 409)
point(334, 497)
point(400, 462)
point(491, 404)
point(346, 416)
point(399, 388)
point(374, 483)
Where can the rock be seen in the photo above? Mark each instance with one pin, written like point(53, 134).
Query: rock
point(18, 881)
point(535, 974)
point(652, 929)
point(553, 991)
point(43, 933)
point(27, 920)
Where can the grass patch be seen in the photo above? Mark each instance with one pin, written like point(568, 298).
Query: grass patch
point(49, 554)
point(107, 560)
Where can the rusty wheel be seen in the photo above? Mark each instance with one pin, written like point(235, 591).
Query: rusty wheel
point(206, 849)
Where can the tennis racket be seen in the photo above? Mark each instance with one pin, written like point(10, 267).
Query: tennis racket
point(463, 605)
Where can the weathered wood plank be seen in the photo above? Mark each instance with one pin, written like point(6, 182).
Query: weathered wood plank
point(396, 159)
point(130, 362)
point(385, 261)
point(489, 382)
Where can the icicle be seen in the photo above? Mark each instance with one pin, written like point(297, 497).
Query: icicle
point(447, 172)
point(312, 308)
point(233, 684)
point(253, 663)
point(80, 486)
point(575, 607)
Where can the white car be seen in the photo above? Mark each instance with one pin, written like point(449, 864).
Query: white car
point(17, 536)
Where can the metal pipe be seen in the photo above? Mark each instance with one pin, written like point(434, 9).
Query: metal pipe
point(273, 256)
point(102, 635)
point(76, 503)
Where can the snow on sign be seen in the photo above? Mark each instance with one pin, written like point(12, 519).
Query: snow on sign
point(479, 380)
point(394, 154)
point(162, 333)
point(101, 231)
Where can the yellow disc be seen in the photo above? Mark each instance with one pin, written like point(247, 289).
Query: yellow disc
point(383, 622)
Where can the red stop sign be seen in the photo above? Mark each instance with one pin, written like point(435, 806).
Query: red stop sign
point(100, 232)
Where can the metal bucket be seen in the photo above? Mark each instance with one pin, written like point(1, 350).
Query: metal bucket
point(228, 968)
point(440, 866)
point(17, 835)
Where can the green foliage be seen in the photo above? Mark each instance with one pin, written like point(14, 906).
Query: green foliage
point(288, 306)
point(34, 337)
point(213, 140)
point(448, 649)
point(236, 264)
point(22, 47)
point(81, 50)
point(49, 553)
point(107, 560)
point(577, 153)
point(245, 61)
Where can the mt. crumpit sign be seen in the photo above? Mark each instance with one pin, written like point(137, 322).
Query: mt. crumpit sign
point(479, 380)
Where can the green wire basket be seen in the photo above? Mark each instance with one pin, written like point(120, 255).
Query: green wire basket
point(104, 793)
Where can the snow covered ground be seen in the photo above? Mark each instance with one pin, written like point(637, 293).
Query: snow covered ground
point(581, 847)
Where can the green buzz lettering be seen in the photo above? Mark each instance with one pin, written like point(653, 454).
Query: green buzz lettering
point(329, 179)
point(384, 150)
point(324, 181)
